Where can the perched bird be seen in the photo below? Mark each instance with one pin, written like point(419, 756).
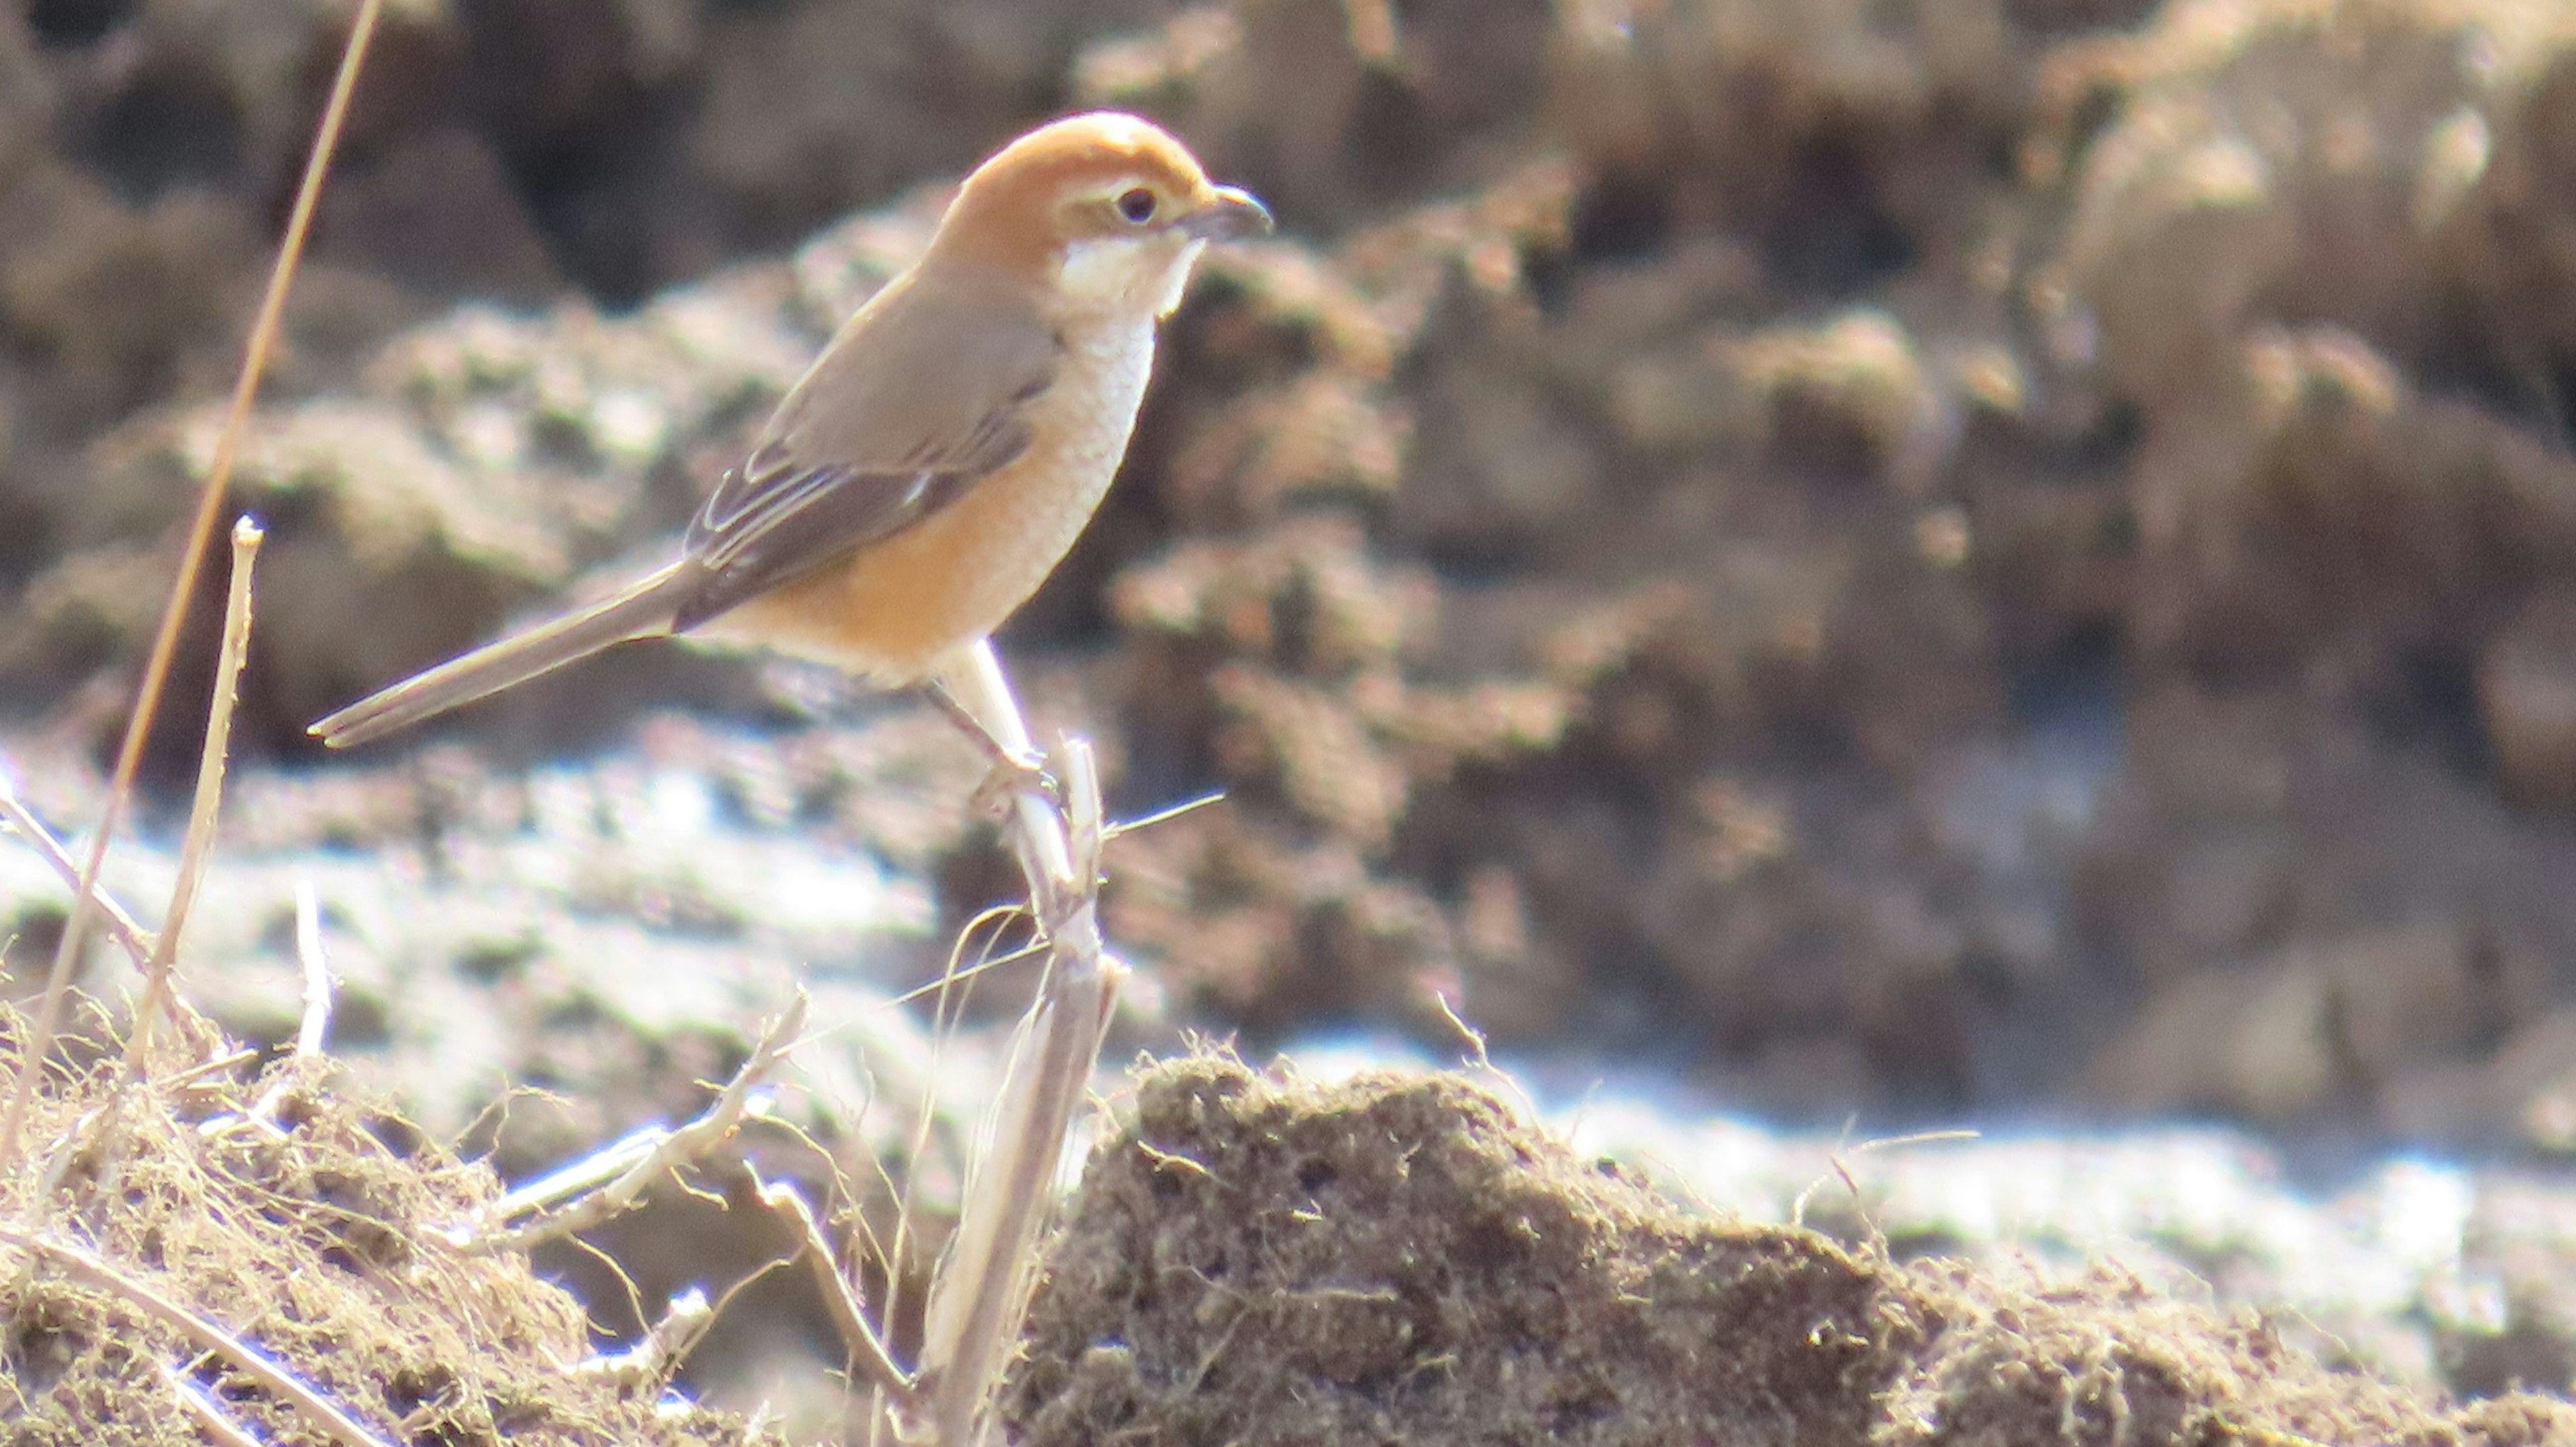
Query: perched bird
point(941, 455)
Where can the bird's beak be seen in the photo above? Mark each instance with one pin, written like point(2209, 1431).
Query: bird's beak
point(1229, 214)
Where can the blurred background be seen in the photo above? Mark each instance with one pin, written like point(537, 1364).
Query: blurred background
point(1943, 559)
point(1897, 562)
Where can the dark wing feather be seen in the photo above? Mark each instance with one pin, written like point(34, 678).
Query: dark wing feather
point(810, 520)
point(854, 456)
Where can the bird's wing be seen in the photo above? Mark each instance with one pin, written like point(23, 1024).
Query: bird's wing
point(923, 394)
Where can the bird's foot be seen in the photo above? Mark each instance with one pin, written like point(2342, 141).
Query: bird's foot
point(1013, 772)
point(1013, 775)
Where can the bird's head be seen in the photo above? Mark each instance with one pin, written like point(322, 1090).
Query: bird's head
point(1104, 210)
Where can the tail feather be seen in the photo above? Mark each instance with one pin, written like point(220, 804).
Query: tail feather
point(642, 611)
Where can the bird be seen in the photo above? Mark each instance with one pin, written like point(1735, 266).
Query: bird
point(946, 447)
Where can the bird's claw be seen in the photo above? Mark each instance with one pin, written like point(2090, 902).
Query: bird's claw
point(1012, 775)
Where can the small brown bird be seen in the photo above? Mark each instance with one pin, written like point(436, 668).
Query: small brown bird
point(941, 455)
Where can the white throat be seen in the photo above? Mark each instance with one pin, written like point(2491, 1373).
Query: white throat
point(1120, 272)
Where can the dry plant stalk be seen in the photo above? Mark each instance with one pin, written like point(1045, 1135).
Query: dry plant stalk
point(849, 1314)
point(201, 528)
point(666, 1344)
point(980, 1293)
point(206, 806)
point(316, 965)
point(120, 924)
point(203, 1410)
point(613, 1180)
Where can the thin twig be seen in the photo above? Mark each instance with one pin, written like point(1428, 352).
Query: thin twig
point(950, 1005)
point(1839, 1168)
point(201, 531)
point(684, 1320)
point(611, 1181)
point(849, 1315)
point(201, 1409)
point(1163, 815)
point(130, 937)
point(1474, 1037)
point(189, 1077)
point(58, 1159)
point(197, 848)
point(317, 969)
point(974, 971)
point(247, 1359)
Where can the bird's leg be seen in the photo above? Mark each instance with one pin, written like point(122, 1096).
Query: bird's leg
point(1012, 769)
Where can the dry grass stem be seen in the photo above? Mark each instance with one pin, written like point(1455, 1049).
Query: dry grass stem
point(198, 1073)
point(953, 987)
point(205, 807)
point(1161, 816)
point(613, 1180)
point(203, 1410)
point(980, 1292)
point(684, 1321)
point(246, 1359)
point(165, 640)
point(1838, 1168)
point(316, 1024)
point(121, 928)
point(867, 1350)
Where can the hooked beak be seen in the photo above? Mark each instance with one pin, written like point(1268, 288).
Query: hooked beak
point(1231, 214)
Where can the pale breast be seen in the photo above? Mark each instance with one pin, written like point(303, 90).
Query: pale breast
point(904, 602)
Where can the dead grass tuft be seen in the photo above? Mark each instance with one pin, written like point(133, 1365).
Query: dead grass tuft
point(305, 1221)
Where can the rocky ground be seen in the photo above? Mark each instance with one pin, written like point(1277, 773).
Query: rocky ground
point(1947, 561)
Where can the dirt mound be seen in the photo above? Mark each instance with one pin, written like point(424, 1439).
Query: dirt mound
point(1258, 1260)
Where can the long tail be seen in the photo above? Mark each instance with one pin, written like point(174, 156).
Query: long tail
point(642, 611)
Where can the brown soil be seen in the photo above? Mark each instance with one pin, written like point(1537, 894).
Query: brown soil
point(1398, 1259)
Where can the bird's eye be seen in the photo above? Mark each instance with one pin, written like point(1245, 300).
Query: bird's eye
point(1137, 205)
